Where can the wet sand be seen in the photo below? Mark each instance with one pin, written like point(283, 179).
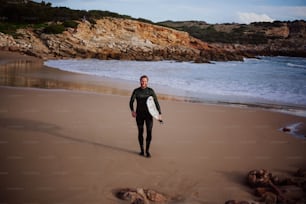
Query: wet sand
point(72, 146)
point(24, 71)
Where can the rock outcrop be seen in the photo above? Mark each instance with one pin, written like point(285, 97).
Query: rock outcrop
point(115, 38)
point(273, 189)
point(261, 38)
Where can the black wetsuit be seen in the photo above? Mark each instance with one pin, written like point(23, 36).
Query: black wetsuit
point(143, 115)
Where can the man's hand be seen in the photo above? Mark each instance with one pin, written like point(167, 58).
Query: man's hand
point(160, 119)
point(134, 114)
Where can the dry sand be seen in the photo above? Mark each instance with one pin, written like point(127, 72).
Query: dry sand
point(63, 146)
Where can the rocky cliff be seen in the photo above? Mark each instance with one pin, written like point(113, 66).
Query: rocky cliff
point(288, 39)
point(115, 38)
point(261, 38)
point(26, 26)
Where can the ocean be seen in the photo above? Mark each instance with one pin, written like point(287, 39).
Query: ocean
point(264, 81)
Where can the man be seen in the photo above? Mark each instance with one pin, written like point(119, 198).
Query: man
point(142, 114)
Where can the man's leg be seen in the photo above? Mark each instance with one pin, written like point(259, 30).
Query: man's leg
point(140, 124)
point(149, 126)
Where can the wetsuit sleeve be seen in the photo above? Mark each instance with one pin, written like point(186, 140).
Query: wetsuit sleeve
point(156, 101)
point(132, 99)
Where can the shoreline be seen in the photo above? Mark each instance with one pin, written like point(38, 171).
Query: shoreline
point(297, 108)
point(37, 75)
point(42, 76)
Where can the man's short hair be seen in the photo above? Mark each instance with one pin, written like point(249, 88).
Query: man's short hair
point(144, 76)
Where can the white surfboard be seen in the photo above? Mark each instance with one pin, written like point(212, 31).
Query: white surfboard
point(152, 108)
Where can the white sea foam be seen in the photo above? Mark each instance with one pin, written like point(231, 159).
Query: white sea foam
point(294, 129)
point(296, 65)
point(270, 80)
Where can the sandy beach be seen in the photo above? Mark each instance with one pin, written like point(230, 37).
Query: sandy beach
point(76, 143)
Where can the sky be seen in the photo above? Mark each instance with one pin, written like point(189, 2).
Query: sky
point(210, 11)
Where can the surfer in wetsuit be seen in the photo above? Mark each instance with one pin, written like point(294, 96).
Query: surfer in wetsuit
point(142, 114)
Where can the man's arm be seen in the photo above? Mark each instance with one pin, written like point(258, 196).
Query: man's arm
point(132, 99)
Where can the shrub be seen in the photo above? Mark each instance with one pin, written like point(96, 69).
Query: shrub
point(54, 29)
point(10, 29)
point(70, 24)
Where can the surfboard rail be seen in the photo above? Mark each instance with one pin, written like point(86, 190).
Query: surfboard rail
point(152, 108)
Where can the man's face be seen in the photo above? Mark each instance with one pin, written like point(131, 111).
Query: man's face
point(144, 83)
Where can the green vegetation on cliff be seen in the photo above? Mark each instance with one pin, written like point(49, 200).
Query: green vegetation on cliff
point(15, 14)
point(23, 11)
point(227, 33)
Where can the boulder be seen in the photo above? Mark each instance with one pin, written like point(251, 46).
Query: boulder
point(141, 196)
